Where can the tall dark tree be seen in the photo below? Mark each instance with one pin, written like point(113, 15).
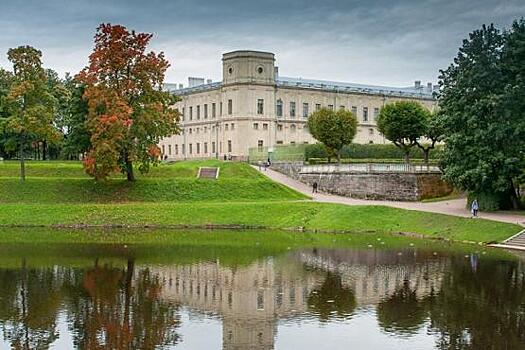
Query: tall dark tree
point(6, 145)
point(481, 98)
point(76, 136)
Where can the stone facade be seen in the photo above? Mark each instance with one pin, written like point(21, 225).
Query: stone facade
point(254, 107)
point(410, 184)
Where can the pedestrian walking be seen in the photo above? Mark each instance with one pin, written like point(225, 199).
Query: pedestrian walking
point(314, 187)
point(259, 163)
point(269, 161)
point(265, 166)
point(474, 208)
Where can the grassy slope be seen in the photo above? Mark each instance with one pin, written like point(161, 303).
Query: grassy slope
point(170, 195)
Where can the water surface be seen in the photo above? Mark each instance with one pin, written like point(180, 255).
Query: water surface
point(260, 296)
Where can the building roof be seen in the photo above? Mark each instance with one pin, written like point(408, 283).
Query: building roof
point(324, 85)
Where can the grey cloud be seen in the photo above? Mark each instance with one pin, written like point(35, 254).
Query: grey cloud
point(379, 42)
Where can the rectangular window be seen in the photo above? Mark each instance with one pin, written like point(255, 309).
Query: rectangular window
point(260, 106)
point(198, 112)
point(205, 111)
point(260, 143)
point(279, 108)
point(169, 150)
point(191, 148)
point(265, 126)
point(376, 113)
point(230, 107)
point(341, 107)
point(365, 114)
point(256, 126)
point(213, 110)
point(232, 126)
point(229, 146)
point(354, 110)
point(190, 131)
point(331, 107)
point(205, 147)
point(371, 131)
point(198, 148)
point(163, 150)
point(183, 149)
point(317, 106)
point(279, 142)
point(220, 108)
point(279, 127)
point(213, 147)
point(292, 109)
point(183, 113)
point(260, 300)
point(305, 110)
point(176, 149)
point(191, 113)
point(225, 127)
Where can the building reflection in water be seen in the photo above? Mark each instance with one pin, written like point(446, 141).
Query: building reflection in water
point(326, 283)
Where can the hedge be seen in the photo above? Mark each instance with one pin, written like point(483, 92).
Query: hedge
point(367, 151)
point(370, 160)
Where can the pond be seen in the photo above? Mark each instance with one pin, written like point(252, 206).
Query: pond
point(240, 291)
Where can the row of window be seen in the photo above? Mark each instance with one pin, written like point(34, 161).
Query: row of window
point(318, 106)
point(279, 110)
point(197, 148)
point(205, 129)
point(205, 111)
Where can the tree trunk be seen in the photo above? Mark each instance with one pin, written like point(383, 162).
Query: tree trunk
point(407, 156)
point(44, 148)
point(129, 170)
point(22, 161)
point(514, 200)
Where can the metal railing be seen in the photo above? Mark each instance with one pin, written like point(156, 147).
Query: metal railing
point(370, 168)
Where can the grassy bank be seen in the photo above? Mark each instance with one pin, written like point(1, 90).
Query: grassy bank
point(308, 215)
point(59, 193)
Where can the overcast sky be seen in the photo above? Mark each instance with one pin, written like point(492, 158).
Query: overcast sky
point(383, 42)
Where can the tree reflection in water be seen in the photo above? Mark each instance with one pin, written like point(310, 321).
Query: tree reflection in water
point(332, 299)
point(107, 308)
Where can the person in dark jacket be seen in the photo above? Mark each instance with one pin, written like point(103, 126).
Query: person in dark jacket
point(314, 187)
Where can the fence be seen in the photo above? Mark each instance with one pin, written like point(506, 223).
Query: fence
point(370, 168)
point(284, 153)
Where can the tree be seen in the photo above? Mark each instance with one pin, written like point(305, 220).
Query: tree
point(29, 103)
point(403, 123)
point(128, 112)
point(6, 80)
point(481, 98)
point(76, 136)
point(333, 129)
point(433, 134)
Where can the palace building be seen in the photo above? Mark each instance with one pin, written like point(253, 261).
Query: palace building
point(255, 107)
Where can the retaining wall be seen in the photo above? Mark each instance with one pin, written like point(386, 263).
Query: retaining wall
point(371, 181)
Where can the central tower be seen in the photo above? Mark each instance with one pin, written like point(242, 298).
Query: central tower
point(248, 67)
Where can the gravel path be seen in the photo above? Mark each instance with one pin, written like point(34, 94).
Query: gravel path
point(454, 207)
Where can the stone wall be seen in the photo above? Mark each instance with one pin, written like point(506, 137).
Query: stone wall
point(383, 185)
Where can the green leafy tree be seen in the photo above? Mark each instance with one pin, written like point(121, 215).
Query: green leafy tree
point(30, 105)
point(76, 135)
point(128, 112)
point(482, 100)
point(403, 123)
point(6, 80)
point(334, 129)
point(434, 133)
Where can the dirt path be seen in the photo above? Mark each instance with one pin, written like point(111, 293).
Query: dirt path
point(454, 207)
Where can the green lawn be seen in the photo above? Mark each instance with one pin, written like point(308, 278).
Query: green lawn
point(58, 193)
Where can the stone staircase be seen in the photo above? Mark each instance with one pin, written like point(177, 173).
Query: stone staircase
point(208, 173)
point(518, 240)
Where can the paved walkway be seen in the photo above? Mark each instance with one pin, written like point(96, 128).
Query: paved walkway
point(454, 207)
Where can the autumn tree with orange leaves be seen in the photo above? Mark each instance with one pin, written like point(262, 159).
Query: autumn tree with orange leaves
point(128, 112)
